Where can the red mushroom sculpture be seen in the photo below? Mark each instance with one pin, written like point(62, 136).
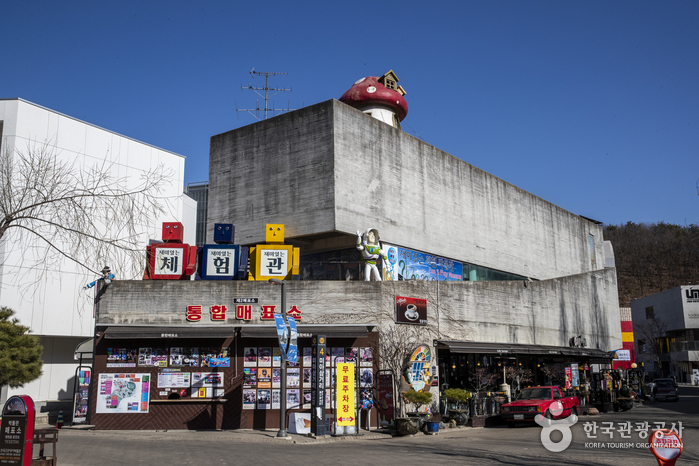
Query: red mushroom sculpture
point(380, 97)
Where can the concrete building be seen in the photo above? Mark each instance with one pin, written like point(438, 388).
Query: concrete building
point(520, 281)
point(671, 318)
point(55, 306)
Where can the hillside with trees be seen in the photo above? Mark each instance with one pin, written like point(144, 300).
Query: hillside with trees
point(653, 257)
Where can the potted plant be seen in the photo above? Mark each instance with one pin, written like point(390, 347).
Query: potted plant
point(419, 399)
point(458, 397)
point(432, 425)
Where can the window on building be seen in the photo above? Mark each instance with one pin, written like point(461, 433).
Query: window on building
point(641, 346)
point(650, 313)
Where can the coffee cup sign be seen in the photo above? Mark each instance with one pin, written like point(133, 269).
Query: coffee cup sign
point(411, 310)
point(666, 446)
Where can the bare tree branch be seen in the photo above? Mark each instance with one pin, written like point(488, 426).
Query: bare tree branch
point(54, 209)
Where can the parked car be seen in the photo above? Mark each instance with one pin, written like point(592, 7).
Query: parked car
point(538, 400)
point(665, 389)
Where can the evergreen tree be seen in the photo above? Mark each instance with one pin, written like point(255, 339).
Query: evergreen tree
point(20, 353)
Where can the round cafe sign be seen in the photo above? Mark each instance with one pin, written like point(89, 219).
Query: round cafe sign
point(666, 446)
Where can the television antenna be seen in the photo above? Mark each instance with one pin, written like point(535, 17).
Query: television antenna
point(256, 111)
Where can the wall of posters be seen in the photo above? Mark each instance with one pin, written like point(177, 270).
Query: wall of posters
point(123, 393)
point(406, 264)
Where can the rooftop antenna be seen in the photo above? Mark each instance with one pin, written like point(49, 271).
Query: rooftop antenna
point(266, 95)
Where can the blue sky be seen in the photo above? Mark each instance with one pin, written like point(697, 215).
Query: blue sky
point(592, 105)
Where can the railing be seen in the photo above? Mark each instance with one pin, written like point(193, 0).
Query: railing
point(488, 405)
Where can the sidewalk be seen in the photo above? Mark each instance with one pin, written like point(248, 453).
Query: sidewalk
point(241, 435)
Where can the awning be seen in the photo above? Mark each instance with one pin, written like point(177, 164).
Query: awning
point(515, 348)
point(84, 349)
point(307, 330)
point(189, 331)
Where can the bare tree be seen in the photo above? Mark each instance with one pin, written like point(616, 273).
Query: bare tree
point(56, 210)
point(651, 332)
point(482, 379)
point(556, 372)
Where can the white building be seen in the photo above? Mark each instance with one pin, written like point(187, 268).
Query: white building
point(56, 308)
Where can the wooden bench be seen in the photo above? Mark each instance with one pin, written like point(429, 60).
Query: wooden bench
point(42, 437)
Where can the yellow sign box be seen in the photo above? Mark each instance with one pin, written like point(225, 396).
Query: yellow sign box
point(627, 337)
point(344, 394)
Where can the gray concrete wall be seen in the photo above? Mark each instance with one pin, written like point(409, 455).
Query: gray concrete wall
point(329, 167)
point(667, 307)
point(278, 170)
point(548, 312)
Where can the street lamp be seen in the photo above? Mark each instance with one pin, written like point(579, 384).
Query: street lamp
point(282, 393)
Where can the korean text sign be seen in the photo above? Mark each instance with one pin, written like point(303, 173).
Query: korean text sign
point(344, 389)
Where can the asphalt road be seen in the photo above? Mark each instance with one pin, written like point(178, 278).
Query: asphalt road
point(491, 446)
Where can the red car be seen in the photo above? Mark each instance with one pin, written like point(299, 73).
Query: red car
point(532, 401)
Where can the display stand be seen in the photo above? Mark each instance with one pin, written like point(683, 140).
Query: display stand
point(42, 437)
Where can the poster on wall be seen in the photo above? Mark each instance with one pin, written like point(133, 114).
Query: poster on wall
point(249, 377)
point(293, 398)
point(180, 356)
point(366, 358)
point(264, 399)
point(123, 393)
point(306, 398)
point(338, 355)
point(215, 357)
point(152, 357)
point(207, 379)
point(82, 396)
point(121, 357)
point(293, 378)
point(366, 377)
point(264, 357)
point(250, 357)
point(406, 264)
point(307, 356)
point(276, 357)
point(568, 378)
point(351, 355)
point(249, 399)
point(276, 404)
point(264, 377)
point(411, 310)
point(307, 377)
point(366, 398)
point(276, 378)
point(174, 379)
point(385, 400)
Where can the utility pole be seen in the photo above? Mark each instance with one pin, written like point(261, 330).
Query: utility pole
point(266, 95)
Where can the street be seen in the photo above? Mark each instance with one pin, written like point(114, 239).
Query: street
point(493, 445)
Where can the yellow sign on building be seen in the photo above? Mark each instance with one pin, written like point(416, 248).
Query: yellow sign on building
point(274, 259)
point(344, 395)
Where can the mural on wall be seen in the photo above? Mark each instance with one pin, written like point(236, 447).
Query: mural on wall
point(418, 374)
point(406, 264)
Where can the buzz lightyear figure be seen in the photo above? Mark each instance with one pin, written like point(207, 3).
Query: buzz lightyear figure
point(371, 251)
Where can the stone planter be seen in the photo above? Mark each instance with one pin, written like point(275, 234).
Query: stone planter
point(460, 416)
point(420, 419)
point(406, 426)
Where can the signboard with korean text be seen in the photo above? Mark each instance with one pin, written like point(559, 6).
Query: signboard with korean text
point(574, 375)
point(318, 384)
point(272, 261)
point(174, 379)
point(411, 310)
point(568, 378)
point(666, 446)
point(123, 393)
point(168, 261)
point(344, 394)
point(623, 355)
point(17, 431)
point(219, 261)
point(406, 264)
